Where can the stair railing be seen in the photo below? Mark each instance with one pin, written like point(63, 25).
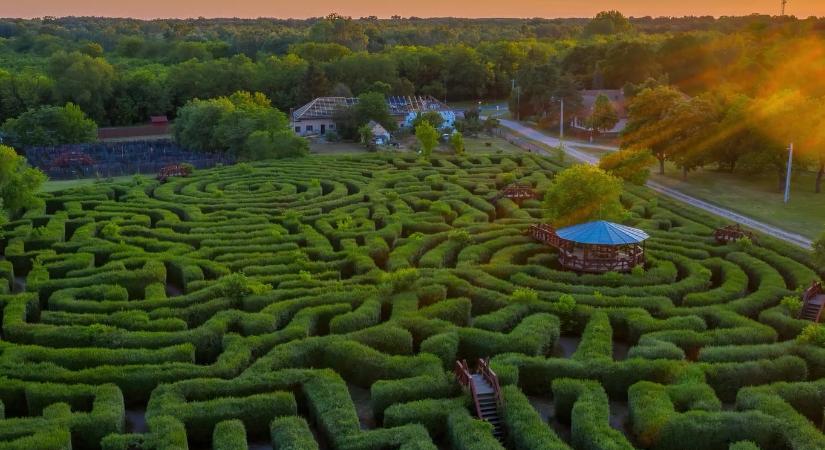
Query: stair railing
point(813, 291)
point(810, 294)
point(491, 377)
point(465, 378)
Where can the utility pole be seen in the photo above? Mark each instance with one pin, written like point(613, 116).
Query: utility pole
point(518, 100)
point(788, 176)
point(784, 2)
point(561, 126)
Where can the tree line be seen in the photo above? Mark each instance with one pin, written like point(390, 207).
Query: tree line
point(730, 130)
point(120, 71)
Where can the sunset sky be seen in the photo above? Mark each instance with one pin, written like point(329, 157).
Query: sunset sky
point(385, 8)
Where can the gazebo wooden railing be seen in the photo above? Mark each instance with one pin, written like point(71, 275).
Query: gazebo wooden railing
point(732, 233)
point(547, 234)
point(622, 260)
point(517, 193)
point(813, 303)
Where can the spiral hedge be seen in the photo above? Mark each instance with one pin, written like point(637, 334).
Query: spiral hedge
point(321, 303)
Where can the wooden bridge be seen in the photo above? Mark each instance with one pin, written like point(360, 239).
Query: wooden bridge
point(486, 393)
point(518, 193)
point(813, 301)
point(546, 233)
point(174, 170)
point(732, 233)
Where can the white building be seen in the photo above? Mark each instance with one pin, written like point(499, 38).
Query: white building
point(317, 117)
point(380, 135)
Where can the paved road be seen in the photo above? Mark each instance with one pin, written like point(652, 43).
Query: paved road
point(571, 148)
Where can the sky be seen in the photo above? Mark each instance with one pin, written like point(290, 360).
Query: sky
point(148, 9)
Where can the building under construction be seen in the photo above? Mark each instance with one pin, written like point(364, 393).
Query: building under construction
point(318, 116)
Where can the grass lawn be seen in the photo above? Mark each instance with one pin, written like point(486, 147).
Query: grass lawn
point(335, 147)
point(479, 144)
point(757, 197)
point(472, 145)
point(62, 185)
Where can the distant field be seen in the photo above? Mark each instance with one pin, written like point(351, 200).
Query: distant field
point(472, 145)
point(757, 196)
point(62, 185)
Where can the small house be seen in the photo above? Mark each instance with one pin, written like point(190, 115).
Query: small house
point(380, 135)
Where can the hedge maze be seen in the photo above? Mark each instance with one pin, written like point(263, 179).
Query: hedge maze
point(320, 303)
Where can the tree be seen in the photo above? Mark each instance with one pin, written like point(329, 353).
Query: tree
point(584, 193)
point(243, 124)
point(340, 30)
point(22, 91)
point(772, 154)
point(84, 80)
point(628, 62)
point(646, 125)
point(692, 132)
point(373, 106)
point(50, 126)
point(466, 75)
point(631, 165)
point(608, 22)
point(315, 83)
point(138, 95)
point(819, 251)
point(434, 118)
point(471, 123)
point(427, 137)
point(737, 137)
point(457, 142)
point(365, 133)
point(273, 144)
point(604, 116)
point(317, 52)
point(19, 183)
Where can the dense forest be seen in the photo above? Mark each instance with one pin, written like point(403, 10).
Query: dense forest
point(120, 71)
point(714, 87)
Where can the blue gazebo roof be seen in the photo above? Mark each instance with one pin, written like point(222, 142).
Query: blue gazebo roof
point(602, 233)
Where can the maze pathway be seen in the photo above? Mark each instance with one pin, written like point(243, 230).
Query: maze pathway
point(322, 302)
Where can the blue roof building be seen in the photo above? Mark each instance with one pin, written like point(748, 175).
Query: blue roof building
point(595, 247)
point(603, 233)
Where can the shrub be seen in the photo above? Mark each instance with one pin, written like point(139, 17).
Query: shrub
point(792, 304)
point(812, 334)
point(229, 435)
point(292, 433)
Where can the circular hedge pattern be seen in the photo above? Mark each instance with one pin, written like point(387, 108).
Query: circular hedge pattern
point(322, 302)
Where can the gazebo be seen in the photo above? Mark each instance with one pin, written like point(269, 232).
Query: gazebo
point(595, 247)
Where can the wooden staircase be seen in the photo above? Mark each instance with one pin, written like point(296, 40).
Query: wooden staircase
point(486, 393)
point(813, 302)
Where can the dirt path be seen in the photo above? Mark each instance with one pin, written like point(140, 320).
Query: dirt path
point(571, 149)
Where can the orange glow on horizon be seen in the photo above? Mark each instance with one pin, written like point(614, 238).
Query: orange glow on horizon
point(423, 8)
